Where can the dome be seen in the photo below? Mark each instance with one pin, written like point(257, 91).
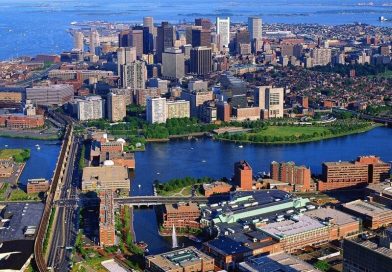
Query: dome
point(121, 140)
point(108, 163)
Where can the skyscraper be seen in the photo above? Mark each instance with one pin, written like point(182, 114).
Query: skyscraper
point(94, 41)
point(156, 110)
point(255, 28)
point(223, 30)
point(205, 23)
point(149, 34)
point(137, 40)
point(90, 108)
point(201, 37)
point(125, 55)
point(166, 36)
point(173, 63)
point(201, 58)
point(78, 41)
point(116, 105)
point(124, 38)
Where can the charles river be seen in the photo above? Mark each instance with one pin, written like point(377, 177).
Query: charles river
point(205, 157)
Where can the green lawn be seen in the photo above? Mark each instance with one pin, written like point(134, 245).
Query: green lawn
point(19, 155)
point(287, 131)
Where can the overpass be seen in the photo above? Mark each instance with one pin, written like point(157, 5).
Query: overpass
point(382, 120)
point(148, 201)
point(39, 251)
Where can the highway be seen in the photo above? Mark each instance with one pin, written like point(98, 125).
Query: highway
point(66, 226)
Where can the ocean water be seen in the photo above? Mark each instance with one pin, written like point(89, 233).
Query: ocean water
point(30, 27)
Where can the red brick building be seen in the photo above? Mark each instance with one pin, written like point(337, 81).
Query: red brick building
point(19, 121)
point(181, 215)
point(107, 235)
point(243, 175)
point(299, 177)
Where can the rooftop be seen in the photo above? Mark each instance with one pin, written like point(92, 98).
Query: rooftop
point(366, 208)
point(105, 173)
point(291, 227)
point(281, 262)
point(338, 217)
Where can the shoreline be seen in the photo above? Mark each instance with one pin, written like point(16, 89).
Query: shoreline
point(15, 135)
point(303, 141)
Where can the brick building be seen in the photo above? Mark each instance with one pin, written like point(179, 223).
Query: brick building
point(217, 187)
point(299, 177)
point(37, 186)
point(181, 215)
point(19, 121)
point(243, 175)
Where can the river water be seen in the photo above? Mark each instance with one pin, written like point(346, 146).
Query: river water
point(206, 157)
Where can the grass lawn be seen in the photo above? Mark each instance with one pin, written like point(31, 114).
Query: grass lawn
point(387, 74)
point(19, 155)
point(20, 195)
point(287, 131)
point(184, 191)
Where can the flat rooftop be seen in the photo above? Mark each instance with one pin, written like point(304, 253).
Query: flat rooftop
point(338, 217)
point(276, 262)
point(366, 208)
point(292, 227)
point(375, 247)
point(104, 173)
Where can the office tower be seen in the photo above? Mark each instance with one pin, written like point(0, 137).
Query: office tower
point(173, 63)
point(90, 108)
point(94, 41)
point(223, 111)
point(134, 75)
point(107, 235)
point(200, 62)
point(79, 41)
point(270, 100)
point(255, 28)
point(137, 40)
point(201, 37)
point(166, 36)
point(241, 37)
point(156, 110)
point(196, 99)
point(149, 34)
point(321, 56)
point(223, 30)
point(243, 176)
point(204, 23)
point(124, 38)
point(116, 105)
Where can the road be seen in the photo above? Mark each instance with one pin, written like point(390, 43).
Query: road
point(37, 76)
point(66, 226)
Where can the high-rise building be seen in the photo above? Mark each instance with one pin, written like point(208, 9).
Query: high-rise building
point(205, 23)
point(200, 62)
point(124, 38)
point(125, 55)
point(243, 175)
point(156, 110)
point(241, 37)
point(223, 30)
point(271, 100)
point(94, 41)
point(201, 37)
point(173, 64)
point(78, 41)
point(255, 28)
point(321, 56)
point(196, 99)
point(116, 105)
point(178, 109)
point(166, 36)
point(107, 235)
point(150, 35)
point(134, 75)
point(137, 40)
point(90, 108)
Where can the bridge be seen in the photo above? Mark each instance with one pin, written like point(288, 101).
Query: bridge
point(39, 250)
point(148, 201)
point(382, 120)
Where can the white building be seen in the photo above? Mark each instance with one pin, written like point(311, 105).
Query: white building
point(178, 109)
point(270, 100)
point(156, 110)
point(223, 30)
point(79, 41)
point(321, 56)
point(90, 108)
point(94, 41)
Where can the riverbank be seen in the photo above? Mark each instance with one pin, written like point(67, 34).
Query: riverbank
point(31, 135)
point(299, 140)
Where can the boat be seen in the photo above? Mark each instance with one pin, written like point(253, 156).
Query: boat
point(240, 146)
point(142, 245)
point(194, 239)
point(6, 145)
point(37, 145)
point(38, 148)
point(139, 185)
point(203, 161)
